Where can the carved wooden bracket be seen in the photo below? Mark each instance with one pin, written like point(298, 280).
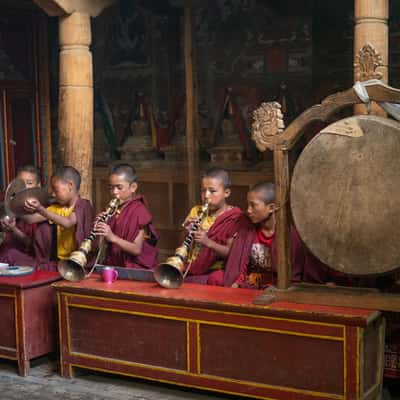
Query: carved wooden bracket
point(265, 132)
point(367, 61)
point(268, 122)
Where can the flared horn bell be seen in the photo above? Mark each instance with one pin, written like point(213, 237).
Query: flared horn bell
point(73, 268)
point(170, 273)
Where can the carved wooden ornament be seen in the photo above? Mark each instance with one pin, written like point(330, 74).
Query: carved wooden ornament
point(268, 122)
point(367, 61)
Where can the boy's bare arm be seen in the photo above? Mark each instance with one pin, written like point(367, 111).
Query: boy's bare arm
point(12, 227)
point(222, 250)
point(33, 218)
point(134, 248)
point(65, 222)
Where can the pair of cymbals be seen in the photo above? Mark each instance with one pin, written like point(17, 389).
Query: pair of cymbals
point(17, 194)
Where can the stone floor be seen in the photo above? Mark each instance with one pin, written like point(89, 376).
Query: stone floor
point(44, 383)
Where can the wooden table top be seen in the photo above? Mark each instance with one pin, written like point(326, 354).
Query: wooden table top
point(36, 278)
point(211, 296)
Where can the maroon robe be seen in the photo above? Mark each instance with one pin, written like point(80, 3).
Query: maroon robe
point(45, 235)
point(13, 251)
point(224, 228)
point(133, 216)
point(305, 267)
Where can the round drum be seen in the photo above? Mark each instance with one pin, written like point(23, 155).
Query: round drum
point(345, 195)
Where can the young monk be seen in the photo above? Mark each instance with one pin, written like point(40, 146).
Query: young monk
point(130, 233)
point(17, 248)
point(214, 237)
point(63, 225)
point(252, 259)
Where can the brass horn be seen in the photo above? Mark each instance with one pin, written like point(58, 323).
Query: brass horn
point(73, 268)
point(171, 273)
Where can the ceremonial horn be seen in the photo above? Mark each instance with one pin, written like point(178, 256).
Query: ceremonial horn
point(173, 271)
point(73, 268)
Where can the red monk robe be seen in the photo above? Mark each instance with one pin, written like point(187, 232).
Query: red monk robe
point(45, 236)
point(240, 270)
point(13, 251)
point(126, 224)
point(224, 228)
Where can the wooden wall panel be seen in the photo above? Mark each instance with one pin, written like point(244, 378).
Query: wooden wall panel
point(166, 192)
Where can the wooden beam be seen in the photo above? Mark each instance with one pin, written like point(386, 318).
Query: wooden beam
point(59, 8)
point(336, 296)
point(191, 139)
point(55, 8)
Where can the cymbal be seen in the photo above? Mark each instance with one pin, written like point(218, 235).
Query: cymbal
point(17, 193)
point(14, 187)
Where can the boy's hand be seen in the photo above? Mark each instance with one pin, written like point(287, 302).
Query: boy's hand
point(188, 224)
point(201, 237)
point(8, 224)
point(33, 205)
point(104, 230)
point(99, 217)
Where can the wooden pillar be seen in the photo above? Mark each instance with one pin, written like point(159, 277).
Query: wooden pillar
point(191, 138)
point(75, 112)
point(371, 44)
point(282, 184)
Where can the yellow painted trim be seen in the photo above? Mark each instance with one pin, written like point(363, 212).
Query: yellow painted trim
point(345, 365)
point(9, 357)
point(5, 348)
point(68, 325)
point(7, 295)
point(60, 332)
point(188, 346)
point(68, 294)
point(325, 337)
point(16, 324)
point(326, 395)
point(23, 322)
point(131, 363)
point(358, 364)
point(198, 340)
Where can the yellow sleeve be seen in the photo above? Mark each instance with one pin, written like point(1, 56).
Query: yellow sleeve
point(193, 213)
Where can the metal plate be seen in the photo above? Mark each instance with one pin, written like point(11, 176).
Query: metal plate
point(345, 196)
point(16, 271)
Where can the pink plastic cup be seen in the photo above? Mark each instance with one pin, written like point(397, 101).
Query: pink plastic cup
point(109, 274)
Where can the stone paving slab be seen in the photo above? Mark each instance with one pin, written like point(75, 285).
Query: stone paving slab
point(44, 383)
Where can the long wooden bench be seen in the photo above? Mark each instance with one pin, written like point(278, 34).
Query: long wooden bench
point(216, 338)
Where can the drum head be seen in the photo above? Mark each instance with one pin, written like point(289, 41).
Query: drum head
point(345, 195)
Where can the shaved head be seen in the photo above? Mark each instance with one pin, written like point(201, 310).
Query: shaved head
point(126, 171)
point(221, 174)
point(265, 190)
point(68, 173)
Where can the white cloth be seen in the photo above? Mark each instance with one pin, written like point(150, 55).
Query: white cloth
point(360, 88)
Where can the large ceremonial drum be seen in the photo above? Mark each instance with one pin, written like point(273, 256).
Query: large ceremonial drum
point(345, 195)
